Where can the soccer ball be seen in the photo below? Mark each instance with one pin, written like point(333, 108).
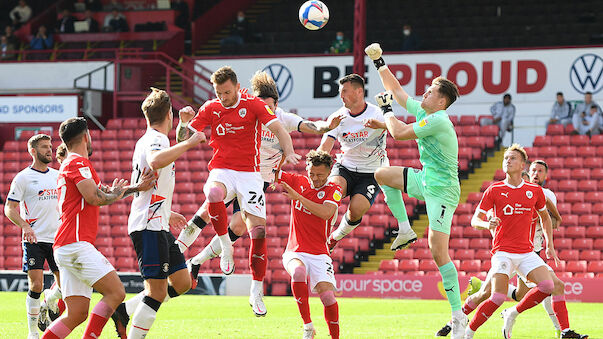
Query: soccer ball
point(313, 15)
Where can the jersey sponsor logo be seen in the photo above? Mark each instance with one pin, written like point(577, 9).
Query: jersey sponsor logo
point(337, 196)
point(85, 172)
point(422, 123)
point(321, 194)
point(242, 112)
point(508, 210)
point(48, 194)
point(529, 194)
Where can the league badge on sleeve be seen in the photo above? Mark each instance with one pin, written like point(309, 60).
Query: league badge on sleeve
point(422, 123)
point(337, 196)
point(85, 172)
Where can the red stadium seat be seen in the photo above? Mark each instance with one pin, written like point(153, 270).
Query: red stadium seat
point(465, 120)
point(548, 151)
point(349, 243)
point(561, 140)
point(542, 140)
point(555, 129)
point(470, 232)
point(568, 255)
point(573, 162)
point(480, 243)
point(390, 265)
point(489, 131)
point(581, 208)
point(279, 289)
point(403, 255)
point(575, 232)
point(570, 220)
point(586, 151)
point(588, 185)
point(459, 243)
point(593, 197)
point(574, 197)
point(568, 185)
point(122, 240)
point(422, 254)
point(576, 266)
point(589, 220)
point(474, 197)
point(562, 243)
point(581, 174)
point(596, 140)
point(470, 266)
point(590, 255)
point(595, 232)
point(122, 252)
point(560, 173)
point(579, 140)
point(499, 175)
point(12, 263)
point(583, 244)
point(408, 265)
point(566, 151)
point(464, 254)
point(593, 162)
point(595, 267)
point(428, 265)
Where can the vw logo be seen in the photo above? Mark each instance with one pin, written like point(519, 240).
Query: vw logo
point(586, 73)
point(283, 78)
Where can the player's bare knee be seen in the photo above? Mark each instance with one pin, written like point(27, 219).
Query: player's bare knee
point(214, 193)
point(381, 175)
point(257, 232)
point(327, 298)
point(546, 286)
point(440, 256)
point(36, 285)
point(299, 274)
point(238, 228)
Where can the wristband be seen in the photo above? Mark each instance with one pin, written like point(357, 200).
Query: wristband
point(379, 63)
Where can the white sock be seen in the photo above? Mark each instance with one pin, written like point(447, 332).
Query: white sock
point(513, 311)
point(404, 226)
point(344, 229)
point(510, 291)
point(225, 240)
point(132, 303)
point(547, 303)
point(308, 326)
point(188, 236)
point(256, 287)
point(142, 321)
point(33, 312)
point(212, 250)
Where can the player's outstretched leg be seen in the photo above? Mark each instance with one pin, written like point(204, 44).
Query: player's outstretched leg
point(215, 193)
point(534, 297)
point(331, 310)
point(50, 309)
point(257, 264)
point(346, 226)
point(391, 181)
point(299, 287)
point(32, 303)
point(192, 230)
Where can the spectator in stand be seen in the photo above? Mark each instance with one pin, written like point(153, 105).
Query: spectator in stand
point(411, 40)
point(239, 31)
point(6, 49)
point(11, 38)
point(42, 39)
point(561, 113)
point(182, 14)
point(114, 4)
point(503, 113)
point(92, 24)
point(587, 122)
point(340, 44)
point(65, 25)
point(20, 14)
point(584, 107)
point(115, 22)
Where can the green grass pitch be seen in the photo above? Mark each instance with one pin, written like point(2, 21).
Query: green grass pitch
point(192, 316)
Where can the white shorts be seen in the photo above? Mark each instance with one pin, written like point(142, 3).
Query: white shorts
point(247, 187)
point(81, 265)
point(319, 267)
point(528, 283)
point(508, 263)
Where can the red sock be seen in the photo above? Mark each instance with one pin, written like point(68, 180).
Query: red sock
point(531, 299)
point(56, 330)
point(61, 305)
point(257, 259)
point(217, 214)
point(485, 310)
point(49, 335)
point(300, 293)
point(332, 318)
point(98, 318)
point(561, 311)
point(469, 306)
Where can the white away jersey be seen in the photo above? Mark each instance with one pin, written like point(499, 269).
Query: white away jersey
point(38, 199)
point(271, 151)
point(362, 148)
point(151, 209)
point(538, 234)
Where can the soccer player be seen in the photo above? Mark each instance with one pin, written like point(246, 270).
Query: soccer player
point(61, 153)
point(263, 87)
point(437, 183)
point(314, 203)
point(81, 265)
point(159, 258)
point(235, 119)
point(513, 202)
point(32, 205)
point(555, 304)
point(362, 153)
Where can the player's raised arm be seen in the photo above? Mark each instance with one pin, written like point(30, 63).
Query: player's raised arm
point(164, 157)
point(399, 130)
point(387, 77)
point(285, 141)
point(182, 131)
point(321, 126)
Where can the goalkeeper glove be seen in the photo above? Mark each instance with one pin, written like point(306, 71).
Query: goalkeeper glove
point(374, 52)
point(384, 100)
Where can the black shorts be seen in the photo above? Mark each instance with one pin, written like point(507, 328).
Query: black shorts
point(35, 254)
point(357, 183)
point(158, 255)
point(235, 202)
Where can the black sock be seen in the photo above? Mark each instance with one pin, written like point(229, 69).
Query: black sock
point(34, 295)
point(232, 235)
point(172, 292)
point(197, 221)
point(514, 295)
point(152, 303)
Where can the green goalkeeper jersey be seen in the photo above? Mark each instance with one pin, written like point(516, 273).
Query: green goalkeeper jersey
point(438, 150)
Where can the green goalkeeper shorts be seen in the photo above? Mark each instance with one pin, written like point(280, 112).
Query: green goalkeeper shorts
point(439, 212)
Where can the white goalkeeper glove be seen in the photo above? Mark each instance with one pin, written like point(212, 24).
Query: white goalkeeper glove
point(374, 52)
point(384, 100)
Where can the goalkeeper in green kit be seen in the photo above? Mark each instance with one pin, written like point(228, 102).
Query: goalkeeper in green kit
point(437, 183)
